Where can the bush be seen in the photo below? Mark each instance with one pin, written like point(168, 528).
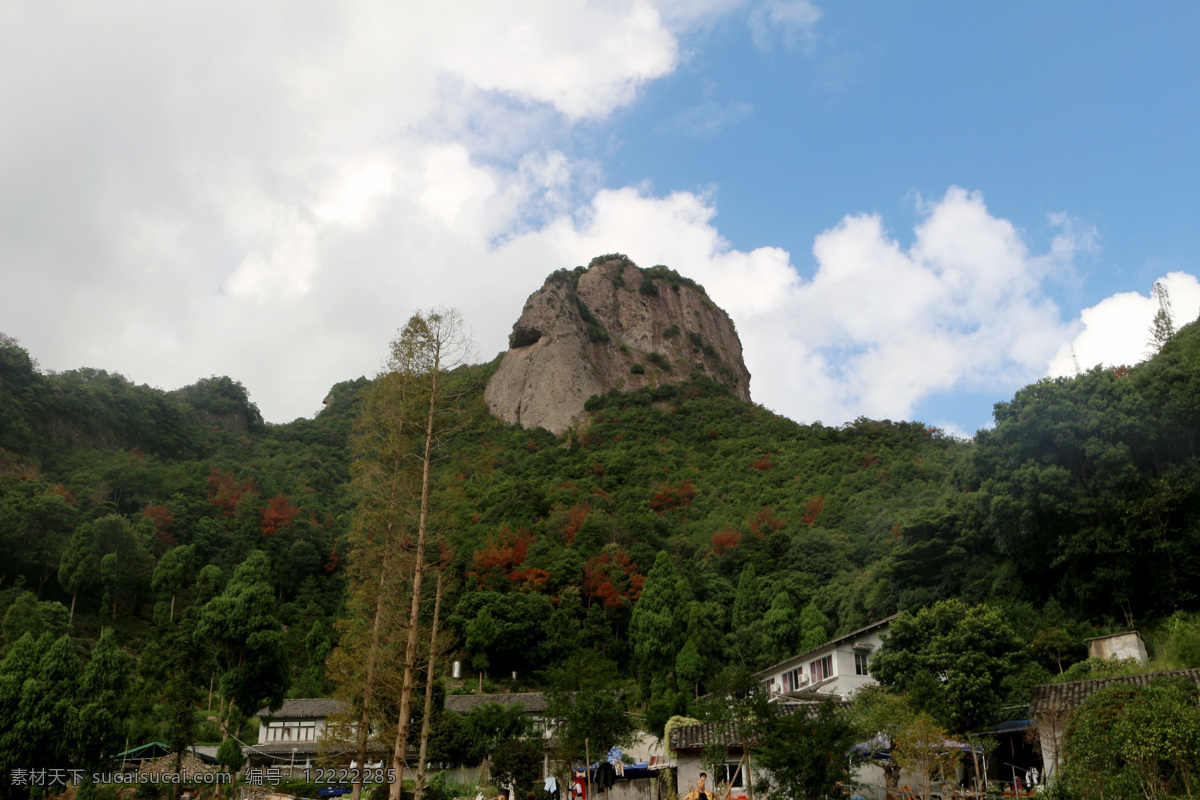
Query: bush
point(660, 361)
point(1130, 741)
point(638, 369)
point(229, 755)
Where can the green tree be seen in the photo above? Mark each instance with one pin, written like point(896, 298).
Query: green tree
point(22, 618)
point(589, 713)
point(229, 755)
point(804, 752)
point(816, 627)
point(517, 763)
point(179, 724)
point(104, 702)
point(125, 562)
point(1132, 741)
point(783, 629)
point(489, 724)
point(428, 347)
point(173, 573)
point(954, 657)
point(689, 666)
point(241, 629)
point(80, 564)
point(880, 715)
point(655, 626)
point(482, 634)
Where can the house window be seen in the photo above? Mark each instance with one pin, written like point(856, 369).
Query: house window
point(860, 664)
point(733, 777)
point(292, 732)
point(793, 680)
point(821, 669)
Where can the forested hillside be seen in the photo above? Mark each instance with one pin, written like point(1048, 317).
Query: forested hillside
point(675, 532)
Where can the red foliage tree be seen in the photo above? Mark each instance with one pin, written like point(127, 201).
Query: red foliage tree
point(816, 505)
point(530, 579)
point(277, 514)
point(575, 519)
point(334, 561)
point(63, 492)
point(724, 540)
point(225, 492)
point(501, 554)
point(612, 578)
point(667, 497)
point(161, 518)
point(765, 522)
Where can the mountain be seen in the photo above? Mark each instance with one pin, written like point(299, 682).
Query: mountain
point(612, 326)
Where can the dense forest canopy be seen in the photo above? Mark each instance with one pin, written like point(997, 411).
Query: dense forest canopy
point(676, 532)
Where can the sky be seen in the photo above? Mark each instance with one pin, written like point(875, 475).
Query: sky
point(909, 210)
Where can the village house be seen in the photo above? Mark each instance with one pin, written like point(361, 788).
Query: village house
point(688, 743)
point(1052, 703)
point(837, 669)
point(533, 705)
point(292, 738)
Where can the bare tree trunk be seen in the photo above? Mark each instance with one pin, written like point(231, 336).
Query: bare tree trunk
point(410, 651)
point(364, 721)
point(71, 620)
point(419, 788)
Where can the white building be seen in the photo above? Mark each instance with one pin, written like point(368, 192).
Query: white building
point(838, 668)
point(293, 737)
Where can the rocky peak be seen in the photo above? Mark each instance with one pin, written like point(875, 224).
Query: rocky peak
point(611, 326)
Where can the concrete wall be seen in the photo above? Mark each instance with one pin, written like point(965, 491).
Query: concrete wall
point(691, 763)
point(846, 682)
point(1122, 645)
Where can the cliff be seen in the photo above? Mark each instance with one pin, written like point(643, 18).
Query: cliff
point(611, 326)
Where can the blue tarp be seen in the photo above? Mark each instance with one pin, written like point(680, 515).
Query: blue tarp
point(638, 769)
point(881, 748)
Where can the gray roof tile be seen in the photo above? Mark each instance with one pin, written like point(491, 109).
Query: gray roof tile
point(306, 708)
point(1051, 698)
point(531, 702)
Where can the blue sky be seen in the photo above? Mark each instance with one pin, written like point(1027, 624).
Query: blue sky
point(909, 210)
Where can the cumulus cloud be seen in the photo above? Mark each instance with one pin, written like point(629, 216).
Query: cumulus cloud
point(879, 327)
point(268, 190)
point(1116, 331)
point(219, 187)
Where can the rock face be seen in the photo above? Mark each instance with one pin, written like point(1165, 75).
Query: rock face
point(610, 326)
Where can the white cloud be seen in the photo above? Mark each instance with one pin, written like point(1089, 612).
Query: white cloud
point(794, 22)
point(267, 191)
point(1116, 331)
point(879, 327)
point(706, 119)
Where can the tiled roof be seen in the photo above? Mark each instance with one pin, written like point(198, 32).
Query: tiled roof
point(804, 656)
point(1050, 698)
point(312, 748)
point(306, 708)
point(530, 702)
point(697, 737)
